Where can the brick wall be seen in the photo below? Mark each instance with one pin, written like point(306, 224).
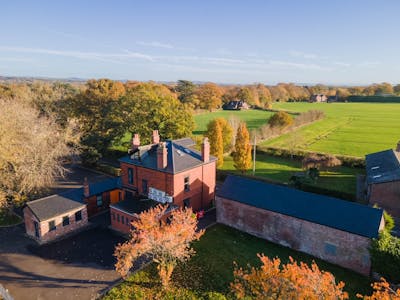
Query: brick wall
point(201, 178)
point(339, 247)
point(387, 196)
point(120, 220)
point(45, 234)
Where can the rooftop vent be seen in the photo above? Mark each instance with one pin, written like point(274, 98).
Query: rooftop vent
point(377, 176)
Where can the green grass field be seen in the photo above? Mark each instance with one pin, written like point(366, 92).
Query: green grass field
point(342, 179)
point(353, 129)
point(211, 269)
point(253, 118)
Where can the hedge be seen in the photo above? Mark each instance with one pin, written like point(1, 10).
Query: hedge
point(348, 161)
point(372, 99)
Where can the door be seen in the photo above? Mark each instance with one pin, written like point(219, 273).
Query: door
point(36, 224)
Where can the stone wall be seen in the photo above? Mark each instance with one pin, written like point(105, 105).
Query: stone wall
point(338, 247)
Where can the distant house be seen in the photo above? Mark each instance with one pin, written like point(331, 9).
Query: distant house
point(331, 99)
point(383, 180)
point(331, 229)
point(52, 217)
point(318, 98)
point(164, 172)
point(235, 105)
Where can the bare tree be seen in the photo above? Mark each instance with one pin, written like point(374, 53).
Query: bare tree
point(32, 149)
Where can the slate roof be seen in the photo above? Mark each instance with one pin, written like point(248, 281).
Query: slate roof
point(339, 214)
point(383, 166)
point(52, 206)
point(55, 205)
point(134, 206)
point(179, 158)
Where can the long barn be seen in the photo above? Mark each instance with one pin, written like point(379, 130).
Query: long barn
point(331, 229)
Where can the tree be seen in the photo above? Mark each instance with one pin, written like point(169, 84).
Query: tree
point(245, 95)
point(98, 110)
point(227, 132)
point(382, 291)
point(166, 243)
point(396, 89)
point(209, 96)
point(214, 134)
point(384, 88)
point(290, 281)
point(186, 92)
point(32, 151)
point(280, 119)
point(242, 154)
point(149, 106)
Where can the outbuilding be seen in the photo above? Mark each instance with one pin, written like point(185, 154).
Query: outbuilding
point(331, 229)
point(51, 217)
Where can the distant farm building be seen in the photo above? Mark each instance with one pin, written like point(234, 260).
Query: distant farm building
point(330, 229)
point(383, 180)
point(235, 105)
point(318, 98)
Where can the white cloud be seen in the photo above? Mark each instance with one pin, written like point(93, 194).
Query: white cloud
point(303, 55)
point(155, 44)
point(297, 65)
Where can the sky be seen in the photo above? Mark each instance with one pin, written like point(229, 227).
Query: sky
point(343, 42)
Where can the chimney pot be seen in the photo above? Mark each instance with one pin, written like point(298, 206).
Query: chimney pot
point(86, 191)
point(155, 139)
point(205, 150)
point(135, 141)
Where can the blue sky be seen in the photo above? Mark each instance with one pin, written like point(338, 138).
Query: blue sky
point(334, 42)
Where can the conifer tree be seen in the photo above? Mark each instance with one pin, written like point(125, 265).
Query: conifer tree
point(214, 134)
point(242, 154)
point(227, 132)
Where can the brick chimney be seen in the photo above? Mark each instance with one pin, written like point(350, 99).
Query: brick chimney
point(205, 150)
point(162, 156)
point(86, 191)
point(155, 138)
point(398, 146)
point(135, 141)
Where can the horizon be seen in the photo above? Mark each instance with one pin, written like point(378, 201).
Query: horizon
point(308, 43)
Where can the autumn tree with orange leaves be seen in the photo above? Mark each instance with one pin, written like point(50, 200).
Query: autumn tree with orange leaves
point(166, 243)
point(290, 281)
point(382, 291)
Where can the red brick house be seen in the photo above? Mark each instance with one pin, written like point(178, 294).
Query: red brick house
point(318, 98)
point(331, 229)
point(383, 180)
point(51, 217)
point(164, 172)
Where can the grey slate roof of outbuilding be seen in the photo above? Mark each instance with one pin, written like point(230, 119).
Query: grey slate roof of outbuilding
point(52, 206)
point(383, 166)
point(179, 157)
point(55, 205)
point(340, 214)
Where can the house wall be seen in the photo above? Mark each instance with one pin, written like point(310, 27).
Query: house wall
point(116, 220)
point(202, 183)
point(317, 240)
point(387, 196)
point(92, 207)
point(44, 234)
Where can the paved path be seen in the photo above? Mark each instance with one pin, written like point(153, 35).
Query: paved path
point(79, 267)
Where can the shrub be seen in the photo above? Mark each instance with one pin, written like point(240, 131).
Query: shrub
point(280, 119)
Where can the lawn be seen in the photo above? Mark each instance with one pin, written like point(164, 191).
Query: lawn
point(342, 179)
point(8, 219)
point(353, 129)
point(253, 118)
point(211, 269)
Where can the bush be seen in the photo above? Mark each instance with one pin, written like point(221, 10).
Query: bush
point(280, 119)
point(385, 256)
point(372, 99)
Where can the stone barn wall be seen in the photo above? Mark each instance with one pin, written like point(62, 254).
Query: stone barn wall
point(338, 247)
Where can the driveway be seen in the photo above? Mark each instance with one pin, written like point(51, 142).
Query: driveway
point(78, 267)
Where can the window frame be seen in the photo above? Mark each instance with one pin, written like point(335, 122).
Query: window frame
point(130, 176)
point(78, 213)
point(64, 223)
point(52, 225)
point(186, 183)
point(99, 197)
point(145, 183)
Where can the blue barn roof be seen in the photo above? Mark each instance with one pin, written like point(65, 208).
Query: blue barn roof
point(340, 214)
